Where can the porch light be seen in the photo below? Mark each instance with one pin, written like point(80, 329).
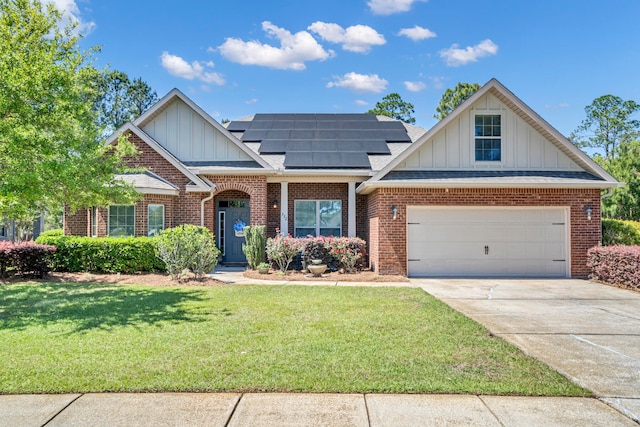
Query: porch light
point(588, 210)
point(275, 204)
point(394, 209)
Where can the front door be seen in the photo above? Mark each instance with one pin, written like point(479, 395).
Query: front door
point(233, 216)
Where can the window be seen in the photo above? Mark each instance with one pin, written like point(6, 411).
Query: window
point(156, 219)
point(318, 218)
point(94, 221)
point(122, 220)
point(488, 138)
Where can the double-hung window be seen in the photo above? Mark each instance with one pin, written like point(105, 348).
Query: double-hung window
point(156, 219)
point(122, 220)
point(318, 218)
point(488, 137)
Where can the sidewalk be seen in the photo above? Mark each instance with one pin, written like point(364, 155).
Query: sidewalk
point(280, 409)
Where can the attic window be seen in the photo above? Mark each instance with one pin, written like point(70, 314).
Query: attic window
point(488, 138)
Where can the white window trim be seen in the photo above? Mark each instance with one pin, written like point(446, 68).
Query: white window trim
point(149, 215)
point(317, 201)
point(109, 220)
point(94, 221)
point(475, 113)
point(222, 216)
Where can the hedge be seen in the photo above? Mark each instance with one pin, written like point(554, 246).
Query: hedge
point(27, 259)
point(619, 232)
point(103, 254)
point(618, 265)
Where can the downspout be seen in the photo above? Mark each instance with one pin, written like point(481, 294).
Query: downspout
point(202, 202)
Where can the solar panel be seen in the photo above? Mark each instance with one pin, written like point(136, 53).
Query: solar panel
point(273, 146)
point(322, 140)
point(238, 126)
point(253, 135)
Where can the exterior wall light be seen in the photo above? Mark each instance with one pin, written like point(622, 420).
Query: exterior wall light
point(275, 204)
point(588, 210)
point(394, 209)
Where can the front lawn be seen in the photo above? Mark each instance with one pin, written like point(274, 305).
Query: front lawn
point(79, 337)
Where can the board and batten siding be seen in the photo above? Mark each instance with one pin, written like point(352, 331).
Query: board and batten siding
point(523, 147)
point(189, 137)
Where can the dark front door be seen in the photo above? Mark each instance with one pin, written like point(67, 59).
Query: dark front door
point(233, 216)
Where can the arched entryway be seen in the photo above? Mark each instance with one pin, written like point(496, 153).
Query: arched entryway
point(232, 215)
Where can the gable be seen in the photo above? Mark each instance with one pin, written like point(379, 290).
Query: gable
point(189, 137)
point(523, 147)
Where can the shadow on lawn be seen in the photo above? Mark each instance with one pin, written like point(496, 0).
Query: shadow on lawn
point(93, 306)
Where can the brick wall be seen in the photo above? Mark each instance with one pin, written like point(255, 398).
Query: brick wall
point(389, 255)
point(315, 191)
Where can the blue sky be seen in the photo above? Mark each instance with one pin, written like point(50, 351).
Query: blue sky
point(237, 58)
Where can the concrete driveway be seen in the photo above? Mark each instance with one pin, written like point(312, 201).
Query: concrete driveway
point(587, 331)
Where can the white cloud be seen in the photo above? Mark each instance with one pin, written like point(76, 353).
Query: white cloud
point(176, 66)
point(251, 101)
point(361, 102)
point(71, 14)
point(357, 38)
point(454, 56)
point(415, 86)
point(437, 82)
point(417, 33)
point(360, 83)
point(556, 106)
point(294, 50)
point(388, 7)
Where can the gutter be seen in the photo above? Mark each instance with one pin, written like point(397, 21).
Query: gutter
point(202, 202)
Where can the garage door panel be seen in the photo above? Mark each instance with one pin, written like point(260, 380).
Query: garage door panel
point(487, 241)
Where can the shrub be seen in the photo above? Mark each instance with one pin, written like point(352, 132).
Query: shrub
point(317, 248)
point(255, 247)
point(619, 232)
point(25, 258)
point(282, 250)
point(50, 233)
point(187, 248)
point(618, 265)
point(348, 251)
point(103, 254)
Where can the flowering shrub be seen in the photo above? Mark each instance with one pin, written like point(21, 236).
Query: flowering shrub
point(25, 258)
point(348, 251)
point(618, 265)
point(282, 250)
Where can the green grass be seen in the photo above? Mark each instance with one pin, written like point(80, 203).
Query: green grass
point(57, 338)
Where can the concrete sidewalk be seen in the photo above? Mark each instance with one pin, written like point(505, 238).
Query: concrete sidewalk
point(280, 409)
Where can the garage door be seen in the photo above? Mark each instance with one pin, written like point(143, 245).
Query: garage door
point(472, 241)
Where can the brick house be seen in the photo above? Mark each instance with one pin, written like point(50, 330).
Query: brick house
point(491, 190)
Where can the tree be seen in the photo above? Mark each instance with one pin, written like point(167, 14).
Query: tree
point(452, 98)
point(393, 106)
point(121, 100)
point(624, 202)
point(608, 125)
point(50, 152)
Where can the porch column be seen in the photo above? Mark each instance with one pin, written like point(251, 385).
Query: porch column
point(351, 231)
point(284, 208)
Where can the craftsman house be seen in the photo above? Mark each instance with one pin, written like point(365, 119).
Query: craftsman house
point(491, 190)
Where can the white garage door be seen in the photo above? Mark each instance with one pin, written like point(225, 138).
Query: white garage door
point(478, 241)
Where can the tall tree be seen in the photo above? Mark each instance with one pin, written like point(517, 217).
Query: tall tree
point(50, 153)
point(608, 125)
point(393, 106)
point(452, 98)
point(121, 100)
point(624, 202)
